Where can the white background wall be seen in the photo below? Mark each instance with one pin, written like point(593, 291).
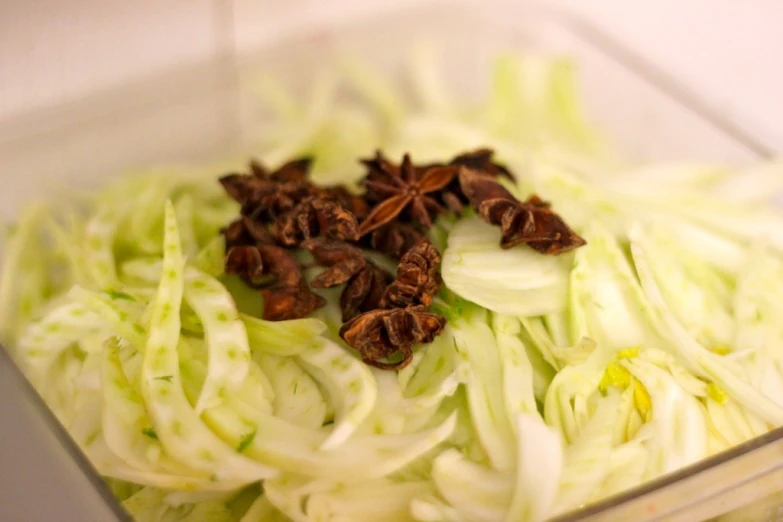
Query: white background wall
point(52, 51)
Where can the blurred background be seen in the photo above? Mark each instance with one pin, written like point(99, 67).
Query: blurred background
point(53, 51)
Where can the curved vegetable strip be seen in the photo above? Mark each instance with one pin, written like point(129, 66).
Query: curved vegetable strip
point(476, 345)
point(587, 458)
point(14, 260)
point(293, 449)
point(349, 384)
point(433, 509)
point(128, 433)
point(409, 408)
point(297, 397)
point(44, 340)
point(616, 313)
point(98, 247)
point(282, 338)
point(516, 281)
point(379, 500)
point(211, 259)
point(568, 393)
point(119, 311)
point(225, 334)
point(480, 493)
point(69, 243)
point(177, 426)
point(154, 505)
point(697, 294)
point(183, 208)
point(677, 418)
point(709, 364)
point(263, 511)
point(517, 370)
point(535, 487)
point(142, 270)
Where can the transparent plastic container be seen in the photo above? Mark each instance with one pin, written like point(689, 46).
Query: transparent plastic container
point(205, 112)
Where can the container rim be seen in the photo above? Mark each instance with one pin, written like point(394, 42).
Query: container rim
point(151, 92)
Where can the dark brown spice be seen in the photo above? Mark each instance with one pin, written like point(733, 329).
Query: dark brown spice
point(394, 239)
point(532, 222)
point(417, 279)
point(365, 281)
point(404, 192)
point(245, 261)
point(313, 217)
point(289, 297)
point(384, 317)
point(481, 160)
point(265, 195)
point(385, 338)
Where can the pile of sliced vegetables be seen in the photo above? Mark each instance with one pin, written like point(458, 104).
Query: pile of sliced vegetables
point(558, 381)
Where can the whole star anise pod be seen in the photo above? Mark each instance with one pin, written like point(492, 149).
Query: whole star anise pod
point(314, 217)
point(385, 338)
point(417, 279)
point(404, 191)
point(365, 282)
point(532, 222)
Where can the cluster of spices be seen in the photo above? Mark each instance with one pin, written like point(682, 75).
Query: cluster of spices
point(384, 316)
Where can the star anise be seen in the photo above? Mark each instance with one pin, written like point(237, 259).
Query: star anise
point(394, 239)
point(294, 170)
point(532, 221)
point(404, 191)
point(481, 160)
point(314, 217)
point(417, 279)
point(288, 297)
point(365, 281)
point(265, 195)
point(452, 196)
point(245, 262)
point(351, 202)
point(385, 338)
point(246, 231)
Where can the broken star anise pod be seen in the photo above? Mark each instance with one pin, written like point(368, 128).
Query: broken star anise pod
point(265, 195)
point(246, 231)
point(404, 191)
point(288, 297)
point(245, 261)
point(417, 279)
point(385, 338)
point(532, 222)
point(315, 217)
point(365, 282)
point(354, 203)
point(481, 160)
point(394, 239)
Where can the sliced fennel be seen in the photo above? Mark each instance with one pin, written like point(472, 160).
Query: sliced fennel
point(517, 281)
point(558, 381)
